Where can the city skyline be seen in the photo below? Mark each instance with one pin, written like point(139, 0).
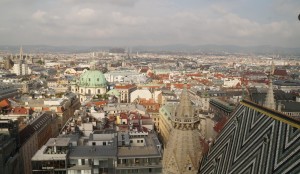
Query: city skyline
point(147, 23)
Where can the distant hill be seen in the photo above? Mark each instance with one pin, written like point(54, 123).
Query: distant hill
point(176, 48)
point(262, 49)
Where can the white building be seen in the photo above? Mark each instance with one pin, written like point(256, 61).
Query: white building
point(140, 93)
point(125, 76)
point(21, 67)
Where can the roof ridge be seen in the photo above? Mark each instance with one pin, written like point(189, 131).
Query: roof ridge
point(272, 113)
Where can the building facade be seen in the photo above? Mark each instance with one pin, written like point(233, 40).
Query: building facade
point(125, 92)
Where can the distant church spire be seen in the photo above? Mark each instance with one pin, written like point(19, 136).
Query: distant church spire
point(21, 53)
point(273, 68)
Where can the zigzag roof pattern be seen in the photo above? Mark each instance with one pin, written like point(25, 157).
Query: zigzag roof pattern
point(255, 140)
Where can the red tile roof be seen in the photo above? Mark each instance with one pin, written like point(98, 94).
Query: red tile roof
point(219, 76)
point(194, 75)
point(162, 76)
point(4, 103)
point(21, 110)
point(129, 86)
point(123, 116)
point(204, 145)
point(144, 70)
point(280, 72)
point(46, 109)
point(181, 85)
point(97, 103)
point(219, 126)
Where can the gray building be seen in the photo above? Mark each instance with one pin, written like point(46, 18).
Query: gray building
point(9, 157)
point(103, 152)
point(7, 91)
point(52, 157)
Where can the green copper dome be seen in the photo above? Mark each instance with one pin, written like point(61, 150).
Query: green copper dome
point(92, 78)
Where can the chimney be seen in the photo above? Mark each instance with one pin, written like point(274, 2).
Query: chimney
point(279, 106)
point(54, 147)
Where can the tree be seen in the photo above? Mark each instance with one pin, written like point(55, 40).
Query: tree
point(40, 62)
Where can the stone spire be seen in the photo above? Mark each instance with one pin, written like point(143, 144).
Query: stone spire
point(269, 101)
point(184, 108)
point(272, 68)
point(183, 151)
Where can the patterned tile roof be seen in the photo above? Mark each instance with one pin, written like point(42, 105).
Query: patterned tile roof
point(255, 140)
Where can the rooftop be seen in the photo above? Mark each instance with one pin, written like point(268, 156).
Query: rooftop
point(150, 148)
point(94, 151)
point(41, 155)
point(272, 113)
point(58, 142)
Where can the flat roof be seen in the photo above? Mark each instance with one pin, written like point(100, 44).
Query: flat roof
point(41, 156)
point(58, 142)
point(79, 152)
point(150, 149)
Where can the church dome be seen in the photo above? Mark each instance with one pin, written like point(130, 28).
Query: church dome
point(92, 78)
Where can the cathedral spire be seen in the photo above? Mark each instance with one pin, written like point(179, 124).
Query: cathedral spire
point(273, 68)
point(269, 101)
point(184, 108)
point(183, 151)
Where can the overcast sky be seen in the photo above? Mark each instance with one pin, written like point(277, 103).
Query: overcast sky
point(150, 22)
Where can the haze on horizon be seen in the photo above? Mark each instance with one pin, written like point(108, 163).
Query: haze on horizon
point(150, 22)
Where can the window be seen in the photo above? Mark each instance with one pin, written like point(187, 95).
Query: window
point(131, 141)
point(98, 79)
point(104, 143)
point(138, 141)
point(94, 143)
point(142, 141)
point(89, 79)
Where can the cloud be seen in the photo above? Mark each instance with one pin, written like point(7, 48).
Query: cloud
point(127, 20)
point(80, 16)
point(86, 13)
point(39, 16)
point(143, 22)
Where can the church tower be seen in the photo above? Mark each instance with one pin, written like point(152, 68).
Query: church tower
point(183, 151)
point(270, 100)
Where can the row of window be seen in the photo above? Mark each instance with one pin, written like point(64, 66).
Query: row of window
point(138, 141)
